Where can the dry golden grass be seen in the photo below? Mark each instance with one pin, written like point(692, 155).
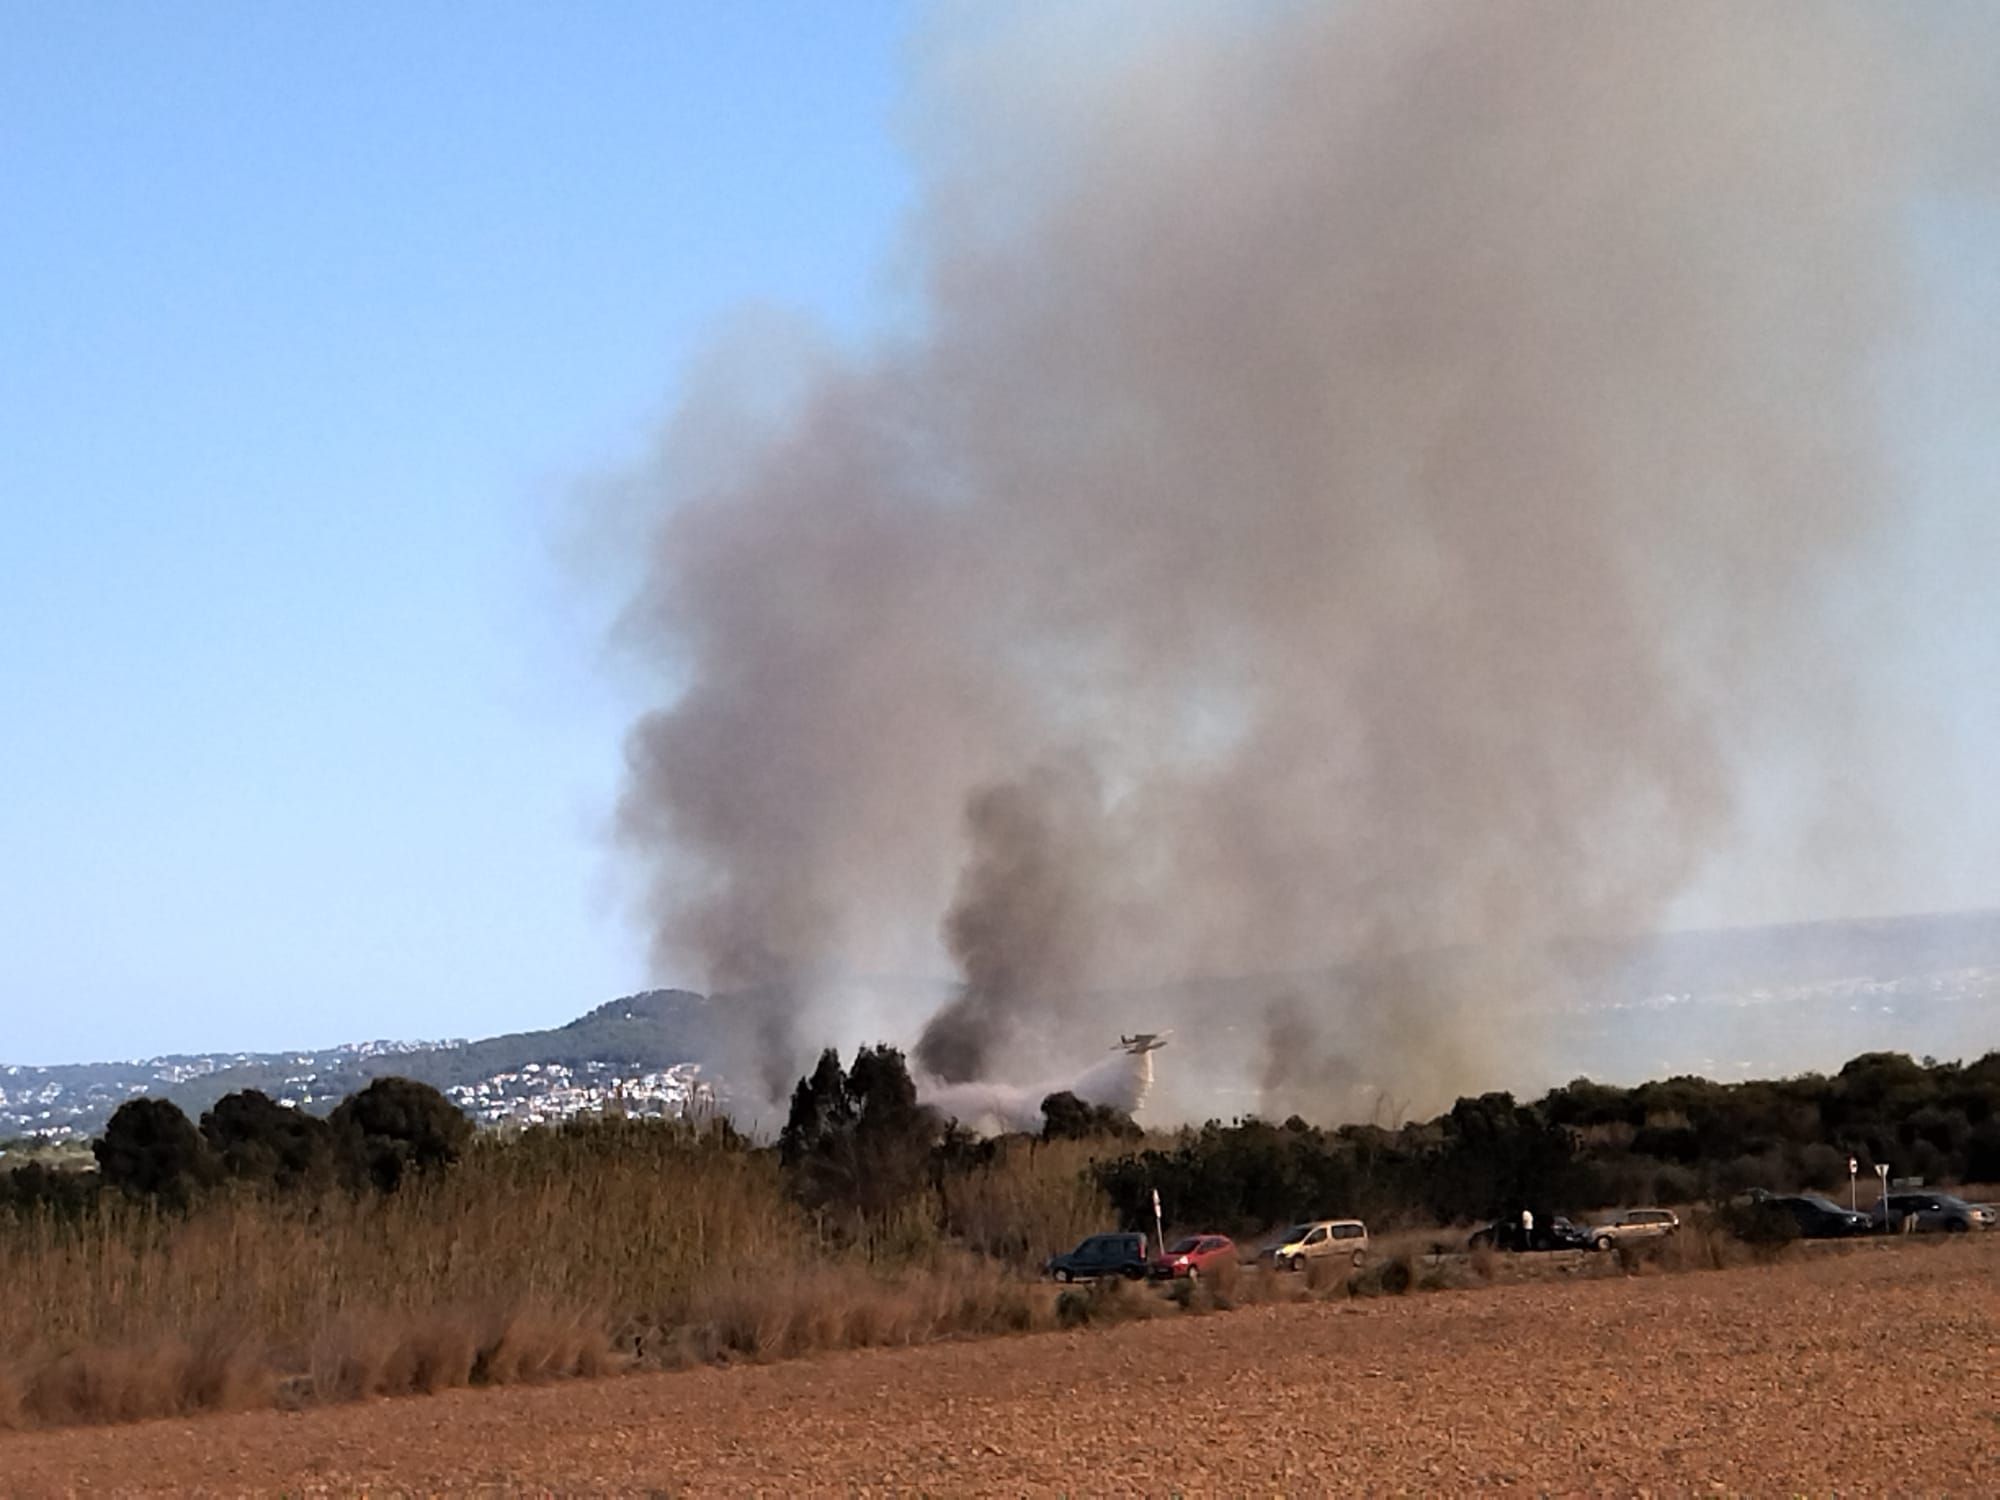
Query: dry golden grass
point(1419, 1242)
point(583, 1251)
point(637, 1217)
point(563, 1253)
point(168, 1377)
point(1115, 1300)
point(844, 1305)
point(1821, 1376)
point(511, 1267)
point(1034, 1200)
point(364, 1354)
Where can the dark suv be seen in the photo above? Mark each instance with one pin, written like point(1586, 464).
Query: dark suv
point(1551, 1232)
point(1929, 1210)
point(1818, 1217)
point(1102, 1255)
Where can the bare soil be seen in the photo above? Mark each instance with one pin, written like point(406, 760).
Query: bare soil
point(1872, 1372)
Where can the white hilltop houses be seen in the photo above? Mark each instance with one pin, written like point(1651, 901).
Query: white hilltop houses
point(548, 1093)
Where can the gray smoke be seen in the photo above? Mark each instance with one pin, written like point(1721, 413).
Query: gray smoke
point(1354, 478)
point(1022, 923)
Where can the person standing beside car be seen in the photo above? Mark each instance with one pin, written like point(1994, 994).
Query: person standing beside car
point(1527, 1229)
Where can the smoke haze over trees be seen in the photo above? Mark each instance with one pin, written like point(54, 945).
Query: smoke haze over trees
point(1352, 481)
point(858, 1151)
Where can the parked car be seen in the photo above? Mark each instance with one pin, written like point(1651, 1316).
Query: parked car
point(1818, 1217)
point(1102, 1255)
point(1634, 1225)
point(1932, 1211)
point(1551, 1232)
point(1194, 1257)
point(1318, 1239)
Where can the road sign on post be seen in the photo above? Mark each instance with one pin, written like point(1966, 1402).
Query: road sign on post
point(1159, 1229)
point(1853, 1193)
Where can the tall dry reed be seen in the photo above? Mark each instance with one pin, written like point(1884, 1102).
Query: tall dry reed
point(1033, 1199)
point(618, 1215)
point(557, 1252)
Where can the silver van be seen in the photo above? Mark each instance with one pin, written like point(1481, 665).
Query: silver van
point(1318, 1239)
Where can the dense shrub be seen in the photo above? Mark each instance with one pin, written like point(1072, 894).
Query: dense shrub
point(869, 1223)
point(149, 1149)
point(1068, 1118)
point(1581, 1147)
point(261, 1141)
point(395, 1128)
point(1768, 1231)
point(1392, 1278)
point(35, 1187)
point(856, 1143)
point(1982, 1153)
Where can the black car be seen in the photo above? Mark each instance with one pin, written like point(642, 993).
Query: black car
point(1102, 1255)
point(1551, 1232)
point(1817, 1218)
point(1927, 1210)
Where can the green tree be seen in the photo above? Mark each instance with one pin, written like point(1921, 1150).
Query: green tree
point(397, 1127)
point(856, 1142)
point(1068, 1118)
point(37, 1187)
point(151, 1150)
point(1982, 1153)
point(259, 1140)
point(820, 1112)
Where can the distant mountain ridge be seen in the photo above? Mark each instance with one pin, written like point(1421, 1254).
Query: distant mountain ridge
point(1800, 953)
point(1725, 1003)
point(636, 1034)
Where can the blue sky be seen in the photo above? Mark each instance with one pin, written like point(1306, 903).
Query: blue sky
point(313, 324)
point(310, 321)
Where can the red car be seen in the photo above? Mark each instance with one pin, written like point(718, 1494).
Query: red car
point(1195, 1256)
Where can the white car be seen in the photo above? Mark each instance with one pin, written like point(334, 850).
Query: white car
point(1633, 1225)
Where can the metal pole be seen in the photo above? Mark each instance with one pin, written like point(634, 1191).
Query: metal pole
point(1159, 1229)
point(1853, 1192)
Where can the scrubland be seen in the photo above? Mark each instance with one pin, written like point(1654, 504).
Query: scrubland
point(246, 1276)
point(1867, 1371)
point(571, 1252)
point(594, 1249)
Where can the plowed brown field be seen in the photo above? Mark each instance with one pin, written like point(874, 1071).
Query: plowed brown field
point(1871, 1372)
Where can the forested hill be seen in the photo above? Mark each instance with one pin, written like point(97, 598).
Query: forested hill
point(636, 1034)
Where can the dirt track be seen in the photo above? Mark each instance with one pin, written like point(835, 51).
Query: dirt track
point(1874, 1372)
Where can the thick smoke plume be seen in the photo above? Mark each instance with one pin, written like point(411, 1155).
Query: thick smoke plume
point(1351, 480)
point(1021, 926)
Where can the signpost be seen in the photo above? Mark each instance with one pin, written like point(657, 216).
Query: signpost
point(1882, 1171)
point(1158, 1228)
point(1853, 1193)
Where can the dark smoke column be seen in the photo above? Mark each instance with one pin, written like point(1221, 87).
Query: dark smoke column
point(1360, 481)
point(1020, 925)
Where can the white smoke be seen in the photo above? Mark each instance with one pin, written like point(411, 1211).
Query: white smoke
point(1121, 1082)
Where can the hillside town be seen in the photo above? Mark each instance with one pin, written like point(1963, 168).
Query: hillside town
point(76, 1099)
point(34, 1105)
point(547, 1093)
